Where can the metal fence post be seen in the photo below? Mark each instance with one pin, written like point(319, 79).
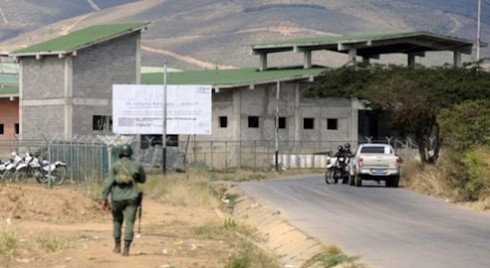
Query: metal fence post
point(226, 154)
point(239, 154)
point(211, 155)
point(255, 154)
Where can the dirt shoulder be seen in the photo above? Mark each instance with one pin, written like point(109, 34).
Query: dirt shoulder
point(167, 237)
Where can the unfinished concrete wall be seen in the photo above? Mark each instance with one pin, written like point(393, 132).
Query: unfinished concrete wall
point(95, 71)
point(61, 96)
point(261, 102)
point(237, 139)
point(42, 93)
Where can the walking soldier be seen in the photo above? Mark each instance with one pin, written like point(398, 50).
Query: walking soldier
point(121, 187)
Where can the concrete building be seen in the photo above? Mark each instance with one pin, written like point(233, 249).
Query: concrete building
point(65, 84)
point(246, 103)
point(370, 46)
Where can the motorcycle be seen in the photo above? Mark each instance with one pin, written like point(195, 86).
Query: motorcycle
point(7, 168)
point(337, 169)
point(42, 171)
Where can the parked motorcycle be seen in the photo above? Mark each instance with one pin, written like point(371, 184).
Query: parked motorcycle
point(337, 169)
point(41, 170)
point(7, 169)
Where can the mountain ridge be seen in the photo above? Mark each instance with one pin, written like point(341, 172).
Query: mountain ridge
point(205, 34)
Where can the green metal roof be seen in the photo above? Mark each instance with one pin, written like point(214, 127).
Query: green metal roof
point(216, 78)
point(359, 37)
point(9, 67)
point(371, 44)
point(332, 38)
point(232, 77)
point(9, 91)
point(10, 79)
point(80, 39)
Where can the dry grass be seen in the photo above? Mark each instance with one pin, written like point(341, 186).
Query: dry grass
point(19, 245)
point(455, 177)
point(182, 189)
point(428, 179)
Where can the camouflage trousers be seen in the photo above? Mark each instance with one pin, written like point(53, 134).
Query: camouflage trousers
point(124, 211)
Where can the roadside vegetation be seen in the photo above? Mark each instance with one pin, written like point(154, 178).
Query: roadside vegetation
point(462, 173)
point(446, 110)
point(203, 188)
point(19, 246)
point(197, 187)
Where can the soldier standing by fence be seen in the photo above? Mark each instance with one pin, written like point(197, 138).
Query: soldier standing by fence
point(125, 196)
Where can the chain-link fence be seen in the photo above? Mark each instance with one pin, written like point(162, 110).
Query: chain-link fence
point(260, 155)
point(90, 158)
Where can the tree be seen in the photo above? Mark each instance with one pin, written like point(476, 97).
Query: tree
point(466, 125)
point(412, 95)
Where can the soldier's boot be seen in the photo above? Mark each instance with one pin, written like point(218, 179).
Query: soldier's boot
point(127, 244)
point(117, 245)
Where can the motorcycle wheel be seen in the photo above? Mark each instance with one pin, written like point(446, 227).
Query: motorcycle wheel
point(330, 177)
point(58, 175)
point(8, 176)
point(20, 175)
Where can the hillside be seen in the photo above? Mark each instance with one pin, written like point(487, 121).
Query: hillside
point(191, 34)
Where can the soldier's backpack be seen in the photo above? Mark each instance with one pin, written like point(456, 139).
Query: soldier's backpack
point(123, 174)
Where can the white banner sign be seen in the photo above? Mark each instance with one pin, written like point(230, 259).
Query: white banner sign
point(138, 109)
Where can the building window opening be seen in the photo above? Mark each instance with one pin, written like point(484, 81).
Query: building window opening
point(332, 124)
point(282, 122)
point(17, 128)
point(223, 121)
point(1, 129)
point(253, 122)
point(101, 122)
point(308, 123)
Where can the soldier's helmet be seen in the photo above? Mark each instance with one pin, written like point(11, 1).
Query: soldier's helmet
point(347, 146)
point(125, 151)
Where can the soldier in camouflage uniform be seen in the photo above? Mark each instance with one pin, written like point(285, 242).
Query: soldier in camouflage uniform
point(125, 196)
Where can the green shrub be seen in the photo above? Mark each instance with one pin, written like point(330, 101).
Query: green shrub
point(250, 256)
point(8, 241)
point(477, 164)
point(466, 125)
point(330, 257)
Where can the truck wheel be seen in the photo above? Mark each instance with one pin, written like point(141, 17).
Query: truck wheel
point(395, 181)
point(358, 180)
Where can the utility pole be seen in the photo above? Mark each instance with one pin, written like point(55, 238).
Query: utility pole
point(478, 32)
point(164, 120)
point(276, 137)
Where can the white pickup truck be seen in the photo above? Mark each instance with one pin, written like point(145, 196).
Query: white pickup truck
point(375, 162)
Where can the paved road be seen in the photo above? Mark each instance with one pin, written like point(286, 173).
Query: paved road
point(385, 227)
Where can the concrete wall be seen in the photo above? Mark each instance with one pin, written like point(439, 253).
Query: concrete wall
point(95, 70)
point(240, 103)
point(42, 121)
point(42, 91)
point(60, 96)
point(42, 79)
point(223, 106)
